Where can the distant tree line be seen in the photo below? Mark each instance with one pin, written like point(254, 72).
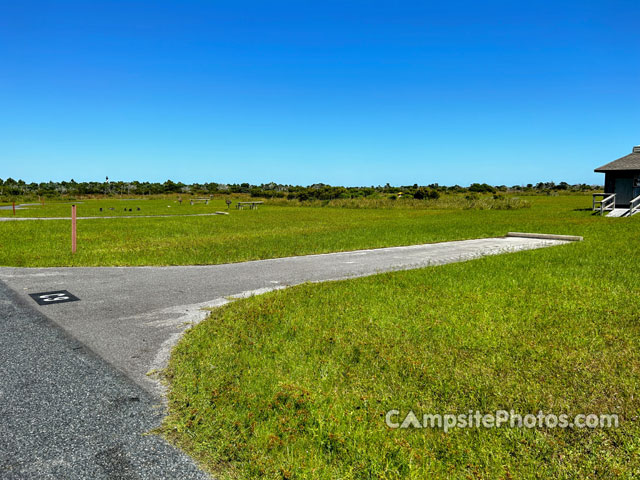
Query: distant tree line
point(319, 191)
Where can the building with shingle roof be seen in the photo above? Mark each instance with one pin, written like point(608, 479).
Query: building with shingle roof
point(622, 177)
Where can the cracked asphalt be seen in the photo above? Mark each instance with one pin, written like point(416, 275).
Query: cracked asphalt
point(75, 396)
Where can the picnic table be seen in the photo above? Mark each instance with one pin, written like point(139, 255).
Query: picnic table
point(251, 205)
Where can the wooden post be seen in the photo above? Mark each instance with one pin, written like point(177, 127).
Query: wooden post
point(14, 208)
point(73, 229)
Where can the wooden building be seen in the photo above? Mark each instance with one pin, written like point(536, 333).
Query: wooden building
point(622, 178)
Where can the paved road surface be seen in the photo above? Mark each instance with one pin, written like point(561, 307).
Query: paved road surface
point(131, 316)
point(66, 414)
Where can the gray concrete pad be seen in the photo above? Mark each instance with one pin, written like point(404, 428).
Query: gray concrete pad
point(132, 316)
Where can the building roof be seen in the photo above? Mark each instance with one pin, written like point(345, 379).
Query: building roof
point(629, 162)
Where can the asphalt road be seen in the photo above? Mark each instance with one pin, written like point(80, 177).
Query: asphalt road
point(67, 414)
point(75, 397)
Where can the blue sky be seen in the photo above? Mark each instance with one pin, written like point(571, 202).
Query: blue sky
point(345, 93)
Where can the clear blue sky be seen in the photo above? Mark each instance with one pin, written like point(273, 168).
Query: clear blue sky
point(350, 92)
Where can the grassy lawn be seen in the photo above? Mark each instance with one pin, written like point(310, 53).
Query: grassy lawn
point(296, 383)
point(168, 205)
point(271, 231)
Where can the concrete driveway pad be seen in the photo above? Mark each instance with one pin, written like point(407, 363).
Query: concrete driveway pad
point(131, 316)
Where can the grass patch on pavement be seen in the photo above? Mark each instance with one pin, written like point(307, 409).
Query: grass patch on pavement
point(296, 383)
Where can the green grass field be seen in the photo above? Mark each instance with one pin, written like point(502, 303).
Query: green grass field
point(296, 383)
point(271, 231)
point(90, 207)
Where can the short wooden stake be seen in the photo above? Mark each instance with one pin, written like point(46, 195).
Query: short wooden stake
point(14, 208)
point(73, 229)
